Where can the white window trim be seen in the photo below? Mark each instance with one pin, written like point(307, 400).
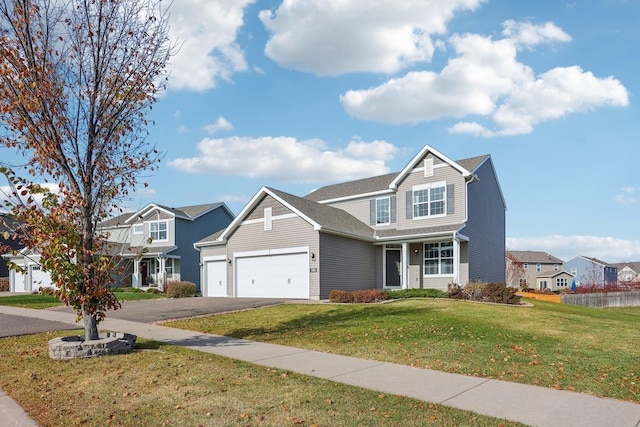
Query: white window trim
point(151, 232)
point(388, 199)
point(135, 226)
point(268, 219)
point(429, 186)
point(424, 254)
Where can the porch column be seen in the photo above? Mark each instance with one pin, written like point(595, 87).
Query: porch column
point(405, 266)
point(162, 275)
point(456, 260)
point(135, 276)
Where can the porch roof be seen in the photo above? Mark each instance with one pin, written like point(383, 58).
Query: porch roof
point(415, 234)
point(146, 251)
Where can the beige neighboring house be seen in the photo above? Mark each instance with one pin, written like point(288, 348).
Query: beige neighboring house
point(556, 281)
point(628, 272)
point(436, 222)
point(534, 264)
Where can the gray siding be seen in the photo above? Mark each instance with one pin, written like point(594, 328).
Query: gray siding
point(346, 264)
point(486, 227)
point(277, 208)
point(447, 174)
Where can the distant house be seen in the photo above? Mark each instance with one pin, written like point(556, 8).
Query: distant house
point(155, 243)
point(436, 222)
point(628, 272)
point(534, 264)
point(591, 271)
point(555, 281)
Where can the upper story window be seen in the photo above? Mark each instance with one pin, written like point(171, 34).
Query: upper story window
point(158, 231)
point(555, 267)
point(429, 200)
point(383, 211)
point(138, 228)
point(525, 265)
point(538, 267)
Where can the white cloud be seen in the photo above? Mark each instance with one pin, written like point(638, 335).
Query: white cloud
point(287, 159)
point(206, 31)
point(234, 198)
point(486, 79)
point(608, 249)
point(220, 124)
point(528, 34)
point(627, 196)
point(336, 37)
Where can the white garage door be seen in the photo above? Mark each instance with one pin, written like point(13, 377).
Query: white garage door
point(216, 281)
point(273, 276)
point(39, 278)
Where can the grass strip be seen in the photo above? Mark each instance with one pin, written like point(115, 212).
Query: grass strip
point(164, 385)
point(560, 346)
point(39, 302)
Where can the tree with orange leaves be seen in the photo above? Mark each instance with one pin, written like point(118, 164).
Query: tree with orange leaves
point(77, 80)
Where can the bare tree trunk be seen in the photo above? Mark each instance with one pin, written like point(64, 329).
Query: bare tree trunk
point(90, 326)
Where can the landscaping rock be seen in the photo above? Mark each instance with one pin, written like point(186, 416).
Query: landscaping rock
point(74, 347)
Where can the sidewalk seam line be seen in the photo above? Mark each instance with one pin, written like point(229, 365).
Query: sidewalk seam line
point(357, 370)
point(467, 390)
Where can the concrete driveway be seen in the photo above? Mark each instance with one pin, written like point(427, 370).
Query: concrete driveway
point(159, 310)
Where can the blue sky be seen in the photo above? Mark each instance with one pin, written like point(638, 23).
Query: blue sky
point(298, 94)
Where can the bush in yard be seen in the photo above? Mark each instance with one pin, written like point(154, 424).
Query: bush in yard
point(416, 293)
point(475, 290)
point(339, 296)
point(153, 291)
point(455, 291)
point(369, 296)
point(180, 289)
point(4, 284)
point(501, 294)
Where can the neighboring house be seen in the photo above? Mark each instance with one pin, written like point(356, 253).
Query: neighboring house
point(591, 271)
point(155, 244)
point(436, 222)
point(555, 281)
point(158, 241)
point(6, 225)
point(533, 265)
point(628, 272)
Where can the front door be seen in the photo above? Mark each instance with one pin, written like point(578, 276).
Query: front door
point(393, 265)
point(144, 272)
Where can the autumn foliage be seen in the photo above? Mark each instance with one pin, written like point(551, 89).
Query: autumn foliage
point(77, 79)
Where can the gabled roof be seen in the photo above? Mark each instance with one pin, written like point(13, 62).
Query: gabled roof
point(189, 213)
point(321, 217)
point(387, 183)
point(635, 266)
point(552, 274)
point(593, 260)
point(534, 257)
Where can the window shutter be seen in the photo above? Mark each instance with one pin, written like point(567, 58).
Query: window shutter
point(372, 212)
point(392, 209)
point(451, 200)
point(409, 204)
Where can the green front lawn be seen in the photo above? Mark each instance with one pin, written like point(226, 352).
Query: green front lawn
point(38, 301)
point(160, 384)
point(553, 345)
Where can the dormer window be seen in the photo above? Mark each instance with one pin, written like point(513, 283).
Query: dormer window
point(158, 231)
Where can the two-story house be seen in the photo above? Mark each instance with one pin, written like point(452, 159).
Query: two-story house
point(436, 222)
point(531, 265)
point(628, 272)
point(591, 271)
point(154, 244)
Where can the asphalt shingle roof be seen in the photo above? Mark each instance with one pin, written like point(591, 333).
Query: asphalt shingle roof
point(376, 183)
point(535, 257)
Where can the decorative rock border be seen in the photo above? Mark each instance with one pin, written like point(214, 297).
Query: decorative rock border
point(74, 347)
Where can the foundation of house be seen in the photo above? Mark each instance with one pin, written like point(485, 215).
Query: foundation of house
point(74, 347)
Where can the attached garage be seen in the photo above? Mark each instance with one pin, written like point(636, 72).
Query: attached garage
point(277, 274)
point(215, 279)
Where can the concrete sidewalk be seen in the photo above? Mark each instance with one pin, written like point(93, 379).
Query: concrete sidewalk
point(537, 406)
